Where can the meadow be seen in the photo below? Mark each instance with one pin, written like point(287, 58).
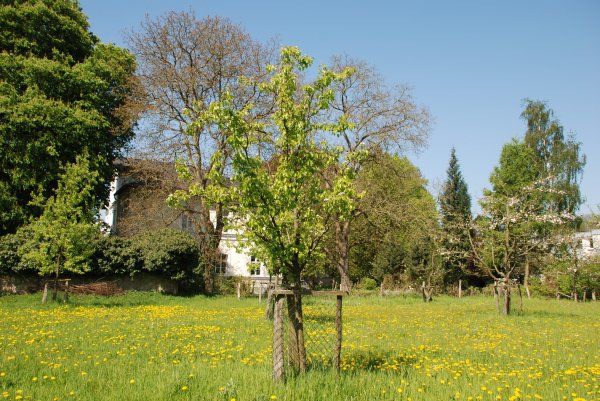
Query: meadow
point(156, 347)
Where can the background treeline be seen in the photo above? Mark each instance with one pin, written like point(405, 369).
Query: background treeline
point(70, 105)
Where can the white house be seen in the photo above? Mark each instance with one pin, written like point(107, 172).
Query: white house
point(127, 204)
point(590, 243)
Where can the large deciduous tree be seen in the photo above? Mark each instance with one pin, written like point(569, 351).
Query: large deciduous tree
point(455, 211)
point(185, 64)
point(558, 159)
point(62, 93)
point(535, 193)
point(394, 234)
point(380, 118)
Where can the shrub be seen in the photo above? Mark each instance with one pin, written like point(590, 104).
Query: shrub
point(367, 283)
point(116, 255)
point(167, 252)
point(10, 260)
point(228, 285)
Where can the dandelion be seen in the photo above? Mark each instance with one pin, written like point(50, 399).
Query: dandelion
point(184, 388)
point(132, 381)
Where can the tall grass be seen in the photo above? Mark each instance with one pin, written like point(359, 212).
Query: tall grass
point(154, 347)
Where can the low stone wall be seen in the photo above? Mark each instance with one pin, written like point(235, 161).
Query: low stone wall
point(27, 284)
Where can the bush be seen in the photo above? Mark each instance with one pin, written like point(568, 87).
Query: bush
point(116, 255)
point(10, 260)
point(169, 252)
point(228, 285)
point(166, 252)
point(367, 283)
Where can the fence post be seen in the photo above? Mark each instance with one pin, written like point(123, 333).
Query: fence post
point(459, 289)
point(278, 366)
point(45, 293)
point(338, 339)
point(66, 296)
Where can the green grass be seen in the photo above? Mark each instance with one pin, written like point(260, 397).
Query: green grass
point(153, 347)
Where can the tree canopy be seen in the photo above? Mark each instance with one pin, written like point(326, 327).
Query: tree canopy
point(393, 235)
point(62, 93)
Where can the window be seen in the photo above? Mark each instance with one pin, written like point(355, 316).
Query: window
point(254, 266)
point(186, 223)
point(221, 267)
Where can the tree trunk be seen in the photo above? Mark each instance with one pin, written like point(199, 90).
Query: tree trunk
point(574, 285)
point(342, 245)
point(459, 289)
point(506, 309)
point(526, 278)
point(56, 272)
point(497, 295)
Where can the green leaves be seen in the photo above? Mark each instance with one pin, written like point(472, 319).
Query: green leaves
point(283, 202)
point(61, 239)
point(61, 94)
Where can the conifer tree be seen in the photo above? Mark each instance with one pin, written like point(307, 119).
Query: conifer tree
point(455, 210)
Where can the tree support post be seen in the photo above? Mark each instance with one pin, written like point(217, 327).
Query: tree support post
point(278, 349)
point(338, 338)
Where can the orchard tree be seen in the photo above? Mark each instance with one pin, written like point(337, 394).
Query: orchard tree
point(550, 162)
point(381, 118)
point(62, 238)
point(507, 233)
point(455, 211)
point(283, 203)
point(185, 64)
point(62, 93)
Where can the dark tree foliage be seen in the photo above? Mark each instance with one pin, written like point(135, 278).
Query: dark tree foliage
point(62, 93)
point(455, 210)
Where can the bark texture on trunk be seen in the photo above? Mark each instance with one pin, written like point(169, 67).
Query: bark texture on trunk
point(342, 232)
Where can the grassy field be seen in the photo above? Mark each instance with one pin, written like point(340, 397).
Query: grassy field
point(153, 347)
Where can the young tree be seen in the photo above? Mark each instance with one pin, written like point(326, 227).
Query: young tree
point(185, 64)
point(283, 203)
point(547, 158)
point(535, 193)
point(381, 118)
point(62, 93)
point(455, 210)
point(62, 238)
point(510, 230)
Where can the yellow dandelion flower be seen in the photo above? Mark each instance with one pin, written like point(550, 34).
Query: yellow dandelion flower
point(132, 381)
point(184, 388)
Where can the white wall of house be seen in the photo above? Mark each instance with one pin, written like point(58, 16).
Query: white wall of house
point(238, 262)
point(590, 243)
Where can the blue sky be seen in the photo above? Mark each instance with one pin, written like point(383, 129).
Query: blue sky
point(470, 62)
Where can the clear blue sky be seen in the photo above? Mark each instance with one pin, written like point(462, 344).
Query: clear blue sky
point(470, 62)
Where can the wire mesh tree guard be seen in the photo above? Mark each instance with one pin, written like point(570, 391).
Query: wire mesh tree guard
point(307, 331)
